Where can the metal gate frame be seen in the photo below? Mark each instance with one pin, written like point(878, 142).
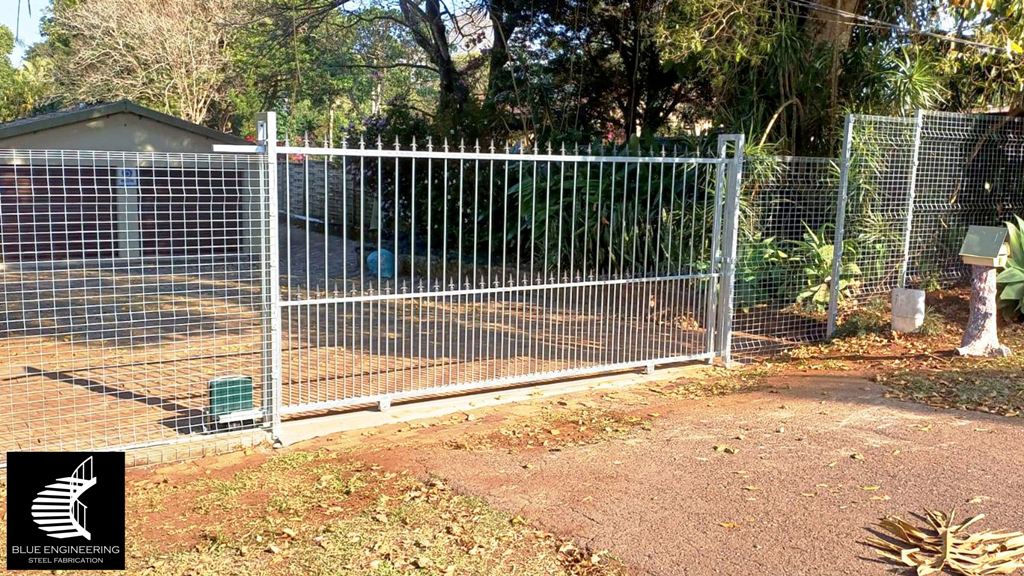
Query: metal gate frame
point(719, 276)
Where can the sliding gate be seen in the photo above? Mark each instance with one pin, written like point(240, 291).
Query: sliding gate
point(440, 267)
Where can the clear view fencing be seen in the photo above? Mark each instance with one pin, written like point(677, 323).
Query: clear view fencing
point(128, 282)
point(784, 262)
point(156, 298)
point(914, 186)
point(458, 267)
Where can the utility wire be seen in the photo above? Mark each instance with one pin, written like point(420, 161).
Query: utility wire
point(860, 19)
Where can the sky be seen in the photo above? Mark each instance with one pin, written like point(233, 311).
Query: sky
point(28, 27)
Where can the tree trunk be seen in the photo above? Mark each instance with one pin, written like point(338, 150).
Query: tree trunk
point(827, 27)
point(980, 336)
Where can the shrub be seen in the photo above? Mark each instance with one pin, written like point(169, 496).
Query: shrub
point(814, 255)
point(1011, 298)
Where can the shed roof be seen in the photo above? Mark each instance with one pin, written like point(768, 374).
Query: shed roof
point(41, 122)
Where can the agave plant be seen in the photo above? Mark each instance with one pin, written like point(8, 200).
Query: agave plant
point(1012, 277)
point(814, 254)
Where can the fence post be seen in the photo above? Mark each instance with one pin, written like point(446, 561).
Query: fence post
point(918, 121)
point(716, 231)
point(837, 243)
point(266, 129)
point(731, 229)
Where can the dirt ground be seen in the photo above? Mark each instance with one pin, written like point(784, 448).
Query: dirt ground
point(819, 458)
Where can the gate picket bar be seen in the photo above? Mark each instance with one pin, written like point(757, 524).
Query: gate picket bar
point(439, 268)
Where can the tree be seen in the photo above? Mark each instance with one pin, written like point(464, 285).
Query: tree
point(21, 89)
point(168, 54)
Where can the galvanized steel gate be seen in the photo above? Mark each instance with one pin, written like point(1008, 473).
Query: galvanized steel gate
point(437, 268)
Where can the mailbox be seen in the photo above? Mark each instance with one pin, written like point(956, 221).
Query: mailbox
point(985, 246)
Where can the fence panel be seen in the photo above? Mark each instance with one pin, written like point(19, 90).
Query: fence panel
point(971, 171)
point(788, 212)
point(915, 186)
point(128, 282)
point(462, 268)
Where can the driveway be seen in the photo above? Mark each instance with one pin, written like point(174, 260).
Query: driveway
point(819, 459)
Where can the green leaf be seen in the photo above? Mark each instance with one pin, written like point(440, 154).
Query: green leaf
point(1015, 241)
point(1013, 292)
point(1010, 275)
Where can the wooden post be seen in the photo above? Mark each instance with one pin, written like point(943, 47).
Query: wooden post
point(980, 336)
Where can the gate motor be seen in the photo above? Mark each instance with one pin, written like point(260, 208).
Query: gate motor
point(230, 403)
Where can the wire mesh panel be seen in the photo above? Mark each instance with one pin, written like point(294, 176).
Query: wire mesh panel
point(970, 171)
point(915, 186)
point(878, 204)
point(128, 281)
point(434, 268)
point(784, 256)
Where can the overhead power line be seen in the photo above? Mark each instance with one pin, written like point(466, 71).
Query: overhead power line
point(856, 19)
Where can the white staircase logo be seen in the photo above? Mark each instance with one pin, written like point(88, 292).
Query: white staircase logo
point(57, 510)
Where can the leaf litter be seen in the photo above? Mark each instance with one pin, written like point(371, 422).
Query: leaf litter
point(945, 544)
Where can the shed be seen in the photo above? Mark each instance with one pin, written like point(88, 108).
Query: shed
point(118, 180)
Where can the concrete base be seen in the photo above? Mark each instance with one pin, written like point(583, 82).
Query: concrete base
point(907, 309)
point(317, 426)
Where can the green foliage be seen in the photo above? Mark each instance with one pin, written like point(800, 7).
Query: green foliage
point(20, 88)
point(573, 69)
point(617, 217)
point(1012, 277)
point(872, 318)
point(910, 81)
point(761, 272)
point(813, 254)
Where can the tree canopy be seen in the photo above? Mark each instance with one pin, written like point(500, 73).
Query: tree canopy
point(783, 71)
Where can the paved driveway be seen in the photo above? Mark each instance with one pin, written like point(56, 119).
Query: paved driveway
point(820, 459)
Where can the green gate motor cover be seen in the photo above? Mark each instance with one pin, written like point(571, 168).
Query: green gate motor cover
point(230, 394)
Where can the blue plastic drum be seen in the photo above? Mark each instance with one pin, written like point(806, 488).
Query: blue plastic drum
point(386, 261)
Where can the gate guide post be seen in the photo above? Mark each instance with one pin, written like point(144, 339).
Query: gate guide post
point(731, 228)
point(716, 232)
point(266, 129)
point(837, 243)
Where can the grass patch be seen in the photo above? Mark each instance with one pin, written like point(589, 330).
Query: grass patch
point(875, 318)
point(555, 430)
point(318, 512)
point(994, 386)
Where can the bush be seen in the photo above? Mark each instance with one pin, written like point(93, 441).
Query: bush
point(1011, 298)
point(814, 255)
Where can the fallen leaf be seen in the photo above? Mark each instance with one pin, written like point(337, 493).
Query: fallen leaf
point(857, 456)
point(870, 488)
